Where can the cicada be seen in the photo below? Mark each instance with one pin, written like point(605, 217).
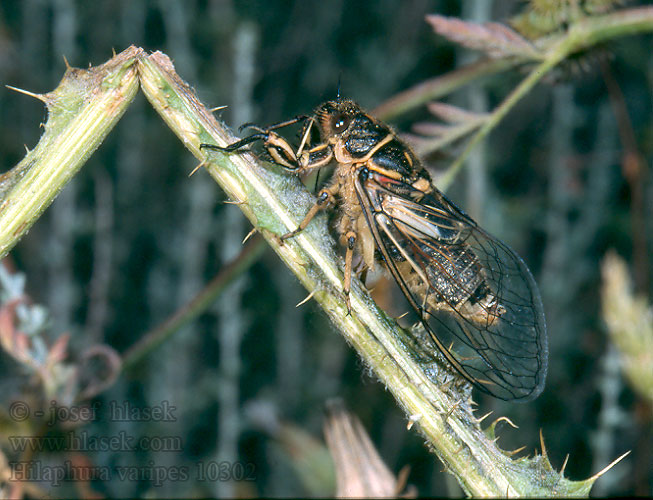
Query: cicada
point(474, 296)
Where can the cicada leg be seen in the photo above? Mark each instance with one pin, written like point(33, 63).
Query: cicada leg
point(298, 161)
point(324, 198)
point(350, 238)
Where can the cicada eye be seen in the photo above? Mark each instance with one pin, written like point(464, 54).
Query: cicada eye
point(340, 123)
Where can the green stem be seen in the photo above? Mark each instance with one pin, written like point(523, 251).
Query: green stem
point(82, 110)
point(580, 36)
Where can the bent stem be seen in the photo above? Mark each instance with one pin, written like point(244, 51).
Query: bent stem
point(87, 105)
point(275, 202)
point(82, 110)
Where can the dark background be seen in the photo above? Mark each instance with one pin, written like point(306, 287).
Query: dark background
point(132, 238)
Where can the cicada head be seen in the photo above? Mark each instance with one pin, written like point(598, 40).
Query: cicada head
point(335, 117)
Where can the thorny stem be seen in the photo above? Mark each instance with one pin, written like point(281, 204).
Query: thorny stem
point(274, 203)
point(83, 110)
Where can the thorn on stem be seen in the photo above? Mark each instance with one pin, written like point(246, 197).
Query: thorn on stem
point(197, 168)
point(504, 419)
point(249, 235)
point(308, 297)
point(412, 420)
point(564, 465)
point(484, 417)
point(544, 453)
point(40, 97)
point(235, 202)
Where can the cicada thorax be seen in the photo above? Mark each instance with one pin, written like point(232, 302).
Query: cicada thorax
point(365, 144)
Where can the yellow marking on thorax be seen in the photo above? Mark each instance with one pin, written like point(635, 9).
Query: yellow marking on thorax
point(392, 174)
point(408, 158)
point(423, 185)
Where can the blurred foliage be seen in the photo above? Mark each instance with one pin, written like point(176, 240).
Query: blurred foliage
point(630, 324)
point(563, 179)
point(543, 17)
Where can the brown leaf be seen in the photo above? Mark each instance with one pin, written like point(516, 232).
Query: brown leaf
point(360, 471)
point(496, 40)
point(58, 352)
point(431, 129)
point(454, 114)
point(15, 342)
point(7, 329)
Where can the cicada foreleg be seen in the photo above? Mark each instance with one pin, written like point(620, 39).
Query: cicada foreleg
point(304, 158)
point(262, 135)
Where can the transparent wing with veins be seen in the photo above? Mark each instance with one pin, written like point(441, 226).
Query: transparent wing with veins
point(475, 296)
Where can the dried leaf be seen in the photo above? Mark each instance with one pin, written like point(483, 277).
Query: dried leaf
point(454, 114)
point(430, 129)
point(57, 352)
point(7, 329)
point(360, 471)
point(459, 122)
point(13, 341)
point(497, 40)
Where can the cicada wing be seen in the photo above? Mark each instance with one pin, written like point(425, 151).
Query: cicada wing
point(474, 295)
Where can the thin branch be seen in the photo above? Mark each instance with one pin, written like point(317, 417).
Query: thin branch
point(633, 166)
point(580, 36)
point(154, 338)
